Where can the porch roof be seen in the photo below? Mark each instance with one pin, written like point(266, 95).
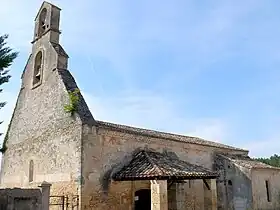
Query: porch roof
point(151, 165)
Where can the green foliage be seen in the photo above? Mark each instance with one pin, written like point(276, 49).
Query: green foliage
point(273, 160)
point(7, 57)
point(74, 99)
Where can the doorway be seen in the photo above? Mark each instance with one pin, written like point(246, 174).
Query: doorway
point(142, 199)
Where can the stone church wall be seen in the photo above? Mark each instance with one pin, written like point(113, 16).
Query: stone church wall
point(234, 186)
point(104, 149)
point(41, 131)
point(260, 197)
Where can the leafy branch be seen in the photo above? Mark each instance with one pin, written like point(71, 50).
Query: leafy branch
point(74, 99)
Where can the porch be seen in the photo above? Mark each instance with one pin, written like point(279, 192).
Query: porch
point(164, 182)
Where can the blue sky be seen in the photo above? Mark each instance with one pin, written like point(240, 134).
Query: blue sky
point(202, 68)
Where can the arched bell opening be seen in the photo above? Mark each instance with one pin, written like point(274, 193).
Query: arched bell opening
point(42, 22)
point(38, 68)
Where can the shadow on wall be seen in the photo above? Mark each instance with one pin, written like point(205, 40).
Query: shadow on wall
point(234, 186)
point(106, 178)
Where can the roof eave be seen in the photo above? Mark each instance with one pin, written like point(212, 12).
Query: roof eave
point(174, 178)
point(104, 125)
point(264, 168)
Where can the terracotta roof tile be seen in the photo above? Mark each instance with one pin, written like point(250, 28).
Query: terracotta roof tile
point(247, 162)
point(163, 135)
point(147, 164)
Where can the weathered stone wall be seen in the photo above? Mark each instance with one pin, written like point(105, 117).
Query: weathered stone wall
point(260, 200)
point(220, 165)
point(40, 109)
point(119, 197)
point(104, 150)
point(189, 195)
point(42, 131)
point(20, 199)
point(234, 186)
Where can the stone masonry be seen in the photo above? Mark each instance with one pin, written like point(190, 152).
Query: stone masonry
point(25, 199)
point(40, 130)
point(78, 155)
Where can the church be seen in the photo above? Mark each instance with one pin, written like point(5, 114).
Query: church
point(53, 137)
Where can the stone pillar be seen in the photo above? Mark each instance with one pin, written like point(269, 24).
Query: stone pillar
point(214, 194)
point(210, 195)
point(180, 196)
point(159, 200)
point(45, 189)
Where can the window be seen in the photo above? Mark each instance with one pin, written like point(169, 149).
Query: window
point(31, 171)
point(267, 191)
point(38, 68)
point(229, 182)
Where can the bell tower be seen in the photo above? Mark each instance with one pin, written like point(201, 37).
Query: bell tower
point(44, 141)
point(47, 53)
point(47, 23)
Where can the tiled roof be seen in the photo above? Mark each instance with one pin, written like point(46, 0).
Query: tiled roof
point(147, 164)
point(59, 49)
point(247, 162)
point(82, 108)
point(163, 135)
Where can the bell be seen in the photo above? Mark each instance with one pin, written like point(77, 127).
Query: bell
point(38, 74)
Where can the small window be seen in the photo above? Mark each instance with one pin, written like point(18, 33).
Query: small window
point(267, 191)
point(229, 182)
point(31, 171)
point(38, 68)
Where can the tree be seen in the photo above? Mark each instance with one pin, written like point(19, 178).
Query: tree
point(7, 57)
point(273, 160)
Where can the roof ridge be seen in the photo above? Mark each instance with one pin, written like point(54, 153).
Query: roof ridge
point(238, 160)
point(147, 129)
point(148, 164)
point(152, 162)
point(168, 135)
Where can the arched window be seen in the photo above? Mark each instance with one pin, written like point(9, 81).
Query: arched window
point(42, 22)
point(38, 68)
point(31, 171)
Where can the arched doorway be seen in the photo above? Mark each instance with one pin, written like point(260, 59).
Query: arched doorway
point(143, 199)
